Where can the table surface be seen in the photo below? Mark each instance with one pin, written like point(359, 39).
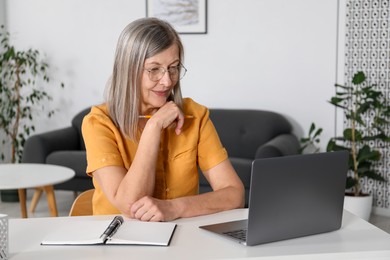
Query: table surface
point(356, 239)
point(30, 175)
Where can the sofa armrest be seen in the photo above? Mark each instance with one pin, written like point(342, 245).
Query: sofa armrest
point(38, 147)
point(281, 145)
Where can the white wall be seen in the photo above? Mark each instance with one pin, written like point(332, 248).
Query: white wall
point(2, 12)
point(275, 55)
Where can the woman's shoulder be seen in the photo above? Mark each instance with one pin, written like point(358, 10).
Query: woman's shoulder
point(191, 107)
point(98, 113)
point(99, 110)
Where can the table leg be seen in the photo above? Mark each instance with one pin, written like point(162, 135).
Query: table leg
point(51, 200)
point(35, 199)
point(22, 201)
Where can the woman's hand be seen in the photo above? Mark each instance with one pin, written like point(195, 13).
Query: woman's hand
point(167, 115)
point(152, 209)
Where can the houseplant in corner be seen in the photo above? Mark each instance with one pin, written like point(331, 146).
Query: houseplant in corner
point(310, 143)
point(22, 74)
point(367, 114)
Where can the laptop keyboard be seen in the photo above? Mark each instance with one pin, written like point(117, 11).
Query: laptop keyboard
point(238, 234)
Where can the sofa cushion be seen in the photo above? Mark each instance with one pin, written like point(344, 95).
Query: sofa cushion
point(282, 145)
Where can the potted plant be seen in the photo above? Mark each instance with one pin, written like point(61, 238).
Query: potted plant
point(21, 97)
point(367, 113)
point(310, 143)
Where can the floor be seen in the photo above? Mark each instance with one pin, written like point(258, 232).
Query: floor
point(65, 199)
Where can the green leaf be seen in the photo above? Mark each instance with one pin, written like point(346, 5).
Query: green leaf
point(363, 169)
point(332, 146)
point(336, 104)
point(304, 140)
point(363, 108)
point(366, 153)
point(312, 127)
point(318, 132)
point(358, 78)
point(336, 100)
point(347, 133)
point(351, 182)
point(374, 175)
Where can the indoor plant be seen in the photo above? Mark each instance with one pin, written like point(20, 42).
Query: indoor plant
point(310, 143)
point(367, 115)
point(21, 95)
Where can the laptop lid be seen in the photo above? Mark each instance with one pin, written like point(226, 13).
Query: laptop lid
point(295, 196)
point(291, 196)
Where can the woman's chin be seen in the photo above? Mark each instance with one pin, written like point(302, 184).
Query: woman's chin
point(153, 107)
point(159, 103)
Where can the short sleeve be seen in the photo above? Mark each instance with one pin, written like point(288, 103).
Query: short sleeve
point(101, 140)
point(210, 149)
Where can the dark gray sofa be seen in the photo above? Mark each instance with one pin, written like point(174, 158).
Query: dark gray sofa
point(246, 134)
point(63, 147)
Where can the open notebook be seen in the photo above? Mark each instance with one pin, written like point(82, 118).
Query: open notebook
point(112, 232)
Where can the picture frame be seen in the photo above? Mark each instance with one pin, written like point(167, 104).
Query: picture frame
point(186, 16)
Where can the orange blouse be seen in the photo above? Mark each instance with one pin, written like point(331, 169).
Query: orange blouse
point(178, 160)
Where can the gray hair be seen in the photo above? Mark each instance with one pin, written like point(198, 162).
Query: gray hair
point(140, 40)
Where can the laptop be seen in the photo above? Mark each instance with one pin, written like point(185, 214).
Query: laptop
point(290, 197)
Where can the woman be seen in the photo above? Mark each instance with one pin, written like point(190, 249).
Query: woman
point(144, 145)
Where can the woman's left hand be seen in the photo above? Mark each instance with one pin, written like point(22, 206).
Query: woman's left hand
point(152, 209)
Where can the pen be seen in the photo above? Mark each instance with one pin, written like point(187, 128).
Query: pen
point(149, 116)
point(112, 228)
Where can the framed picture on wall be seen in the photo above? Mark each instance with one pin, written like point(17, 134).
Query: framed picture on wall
point(187, 16)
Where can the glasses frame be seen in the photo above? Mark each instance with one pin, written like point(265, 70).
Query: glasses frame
point(180, 67)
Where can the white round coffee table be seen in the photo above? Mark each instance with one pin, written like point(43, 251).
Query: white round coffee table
point(26, 175)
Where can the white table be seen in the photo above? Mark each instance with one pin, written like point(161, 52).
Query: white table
point(357, 239)
point(24, 175)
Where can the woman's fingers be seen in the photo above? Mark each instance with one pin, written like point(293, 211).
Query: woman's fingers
point(170, 114)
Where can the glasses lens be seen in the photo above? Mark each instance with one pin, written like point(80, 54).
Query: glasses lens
point(183, 71)
point(156, 74)
point(175, 73)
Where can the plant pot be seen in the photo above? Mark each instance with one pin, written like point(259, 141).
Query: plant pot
point(361, 206)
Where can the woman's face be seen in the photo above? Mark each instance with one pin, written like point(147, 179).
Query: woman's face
point(154, 94)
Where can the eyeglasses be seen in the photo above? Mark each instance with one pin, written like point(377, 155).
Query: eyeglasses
point(175, 72)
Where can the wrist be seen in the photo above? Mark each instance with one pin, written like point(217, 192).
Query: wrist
point(178, 207)
point(153, 125)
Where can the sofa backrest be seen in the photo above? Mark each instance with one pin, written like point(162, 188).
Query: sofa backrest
point(76, 123)
point(242, 131)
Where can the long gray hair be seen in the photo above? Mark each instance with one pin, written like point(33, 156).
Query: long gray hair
point(139, 40)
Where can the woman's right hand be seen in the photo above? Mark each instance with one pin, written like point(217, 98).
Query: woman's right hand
point(167, 115)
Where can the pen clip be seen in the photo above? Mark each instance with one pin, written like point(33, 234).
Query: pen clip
point(112, 228)
point(118, 224)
